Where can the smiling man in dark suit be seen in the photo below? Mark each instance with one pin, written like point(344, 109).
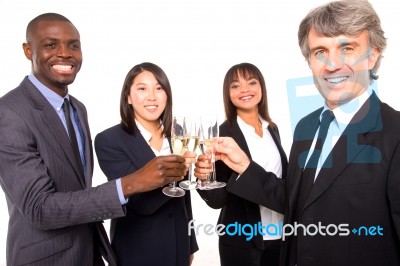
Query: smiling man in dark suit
point(348, 184)
point(55, 214)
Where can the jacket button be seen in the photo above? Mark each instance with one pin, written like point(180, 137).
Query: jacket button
point(170, 215)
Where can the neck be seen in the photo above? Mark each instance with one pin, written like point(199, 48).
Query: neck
point(153, 127)
point(250, 118)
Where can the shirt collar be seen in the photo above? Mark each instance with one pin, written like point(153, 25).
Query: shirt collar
point(145, 133)
point(244, 125)
point(345, 112)
point(53, 98)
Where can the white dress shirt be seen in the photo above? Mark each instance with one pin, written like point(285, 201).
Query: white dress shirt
point(343, 115)
point(265, 153)
point(165, 149)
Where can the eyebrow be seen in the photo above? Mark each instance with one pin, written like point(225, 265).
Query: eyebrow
point(145, 84)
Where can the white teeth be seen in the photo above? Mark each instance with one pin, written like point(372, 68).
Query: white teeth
point(245, 97)
point(336, 80)
point(62, 67)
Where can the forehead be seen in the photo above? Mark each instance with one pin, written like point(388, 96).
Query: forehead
point(316, 39)
point(145, 76)
point(243, 74)
point(54, 29)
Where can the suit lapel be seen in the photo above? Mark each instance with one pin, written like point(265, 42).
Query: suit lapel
point(275, 136)
point(138, 149)
point(53, 123)
point(237, 134)
point(348, 150)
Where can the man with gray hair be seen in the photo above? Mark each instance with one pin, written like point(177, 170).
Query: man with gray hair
point(342, 193)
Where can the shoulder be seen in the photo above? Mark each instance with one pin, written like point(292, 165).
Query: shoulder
point(111, 134)
point(226, 128)
point(390, 118)
point(16, 96)
point(225, 125)
point(313, 116)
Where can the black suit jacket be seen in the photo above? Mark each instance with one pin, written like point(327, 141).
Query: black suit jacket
point(155, 229)
point(358, 186)
point(236, 208)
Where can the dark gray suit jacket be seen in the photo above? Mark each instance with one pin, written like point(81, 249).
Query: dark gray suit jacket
point(359, 185)
point(54, 212)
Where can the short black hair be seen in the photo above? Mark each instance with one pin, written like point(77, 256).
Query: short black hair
point(43, 17)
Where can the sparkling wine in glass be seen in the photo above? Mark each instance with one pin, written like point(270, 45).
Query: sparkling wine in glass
point(193, 130)
point(179, 142)
point(210, 130)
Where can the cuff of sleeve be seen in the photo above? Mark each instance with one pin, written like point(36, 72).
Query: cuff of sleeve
point(121, 196)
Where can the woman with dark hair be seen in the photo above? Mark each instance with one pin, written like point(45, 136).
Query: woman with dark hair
point(249, 124)
point(155, 228)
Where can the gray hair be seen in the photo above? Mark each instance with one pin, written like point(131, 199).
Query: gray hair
point(344, 18)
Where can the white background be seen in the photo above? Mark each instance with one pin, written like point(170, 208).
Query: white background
point(195, 42)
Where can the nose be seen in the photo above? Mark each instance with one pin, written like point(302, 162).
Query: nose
point(152, 95)
point(335, 61)
point(63, 51)
point(244, 88)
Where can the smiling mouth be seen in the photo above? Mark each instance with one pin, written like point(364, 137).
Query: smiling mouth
point(151, 107)
point(246, 97)
point(336, 79)
point(62, 67)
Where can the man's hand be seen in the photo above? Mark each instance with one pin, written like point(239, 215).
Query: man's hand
point(231, 154)
point(156, 173)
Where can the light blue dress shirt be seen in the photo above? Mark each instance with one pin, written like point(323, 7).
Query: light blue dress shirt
point(57, 101)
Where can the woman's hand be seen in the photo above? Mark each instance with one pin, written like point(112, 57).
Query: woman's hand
point(203, 166)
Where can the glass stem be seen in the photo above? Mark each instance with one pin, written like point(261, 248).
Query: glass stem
point(190, 171)
point(174, 185)
point(213, 177)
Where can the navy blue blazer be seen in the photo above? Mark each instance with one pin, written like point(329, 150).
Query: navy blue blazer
point(238, 208)
point(155, 228)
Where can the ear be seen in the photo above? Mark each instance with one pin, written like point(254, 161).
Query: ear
point(27, 50)
point(373, 57)
point(129, 100)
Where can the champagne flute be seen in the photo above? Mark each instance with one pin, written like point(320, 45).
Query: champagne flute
point(193, 129)
point(179, 142)
point(210, 129)
point(202, 185)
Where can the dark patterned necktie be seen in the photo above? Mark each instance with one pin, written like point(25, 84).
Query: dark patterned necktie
point(72, 136)
point(308, 176)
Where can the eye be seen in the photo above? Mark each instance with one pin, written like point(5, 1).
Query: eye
point(319, 53)
point(50, 45)
point(159, 88)
point(253, 82)
point(234, 86)
point(347, 49)
point(75, 46)
point(141, 88)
